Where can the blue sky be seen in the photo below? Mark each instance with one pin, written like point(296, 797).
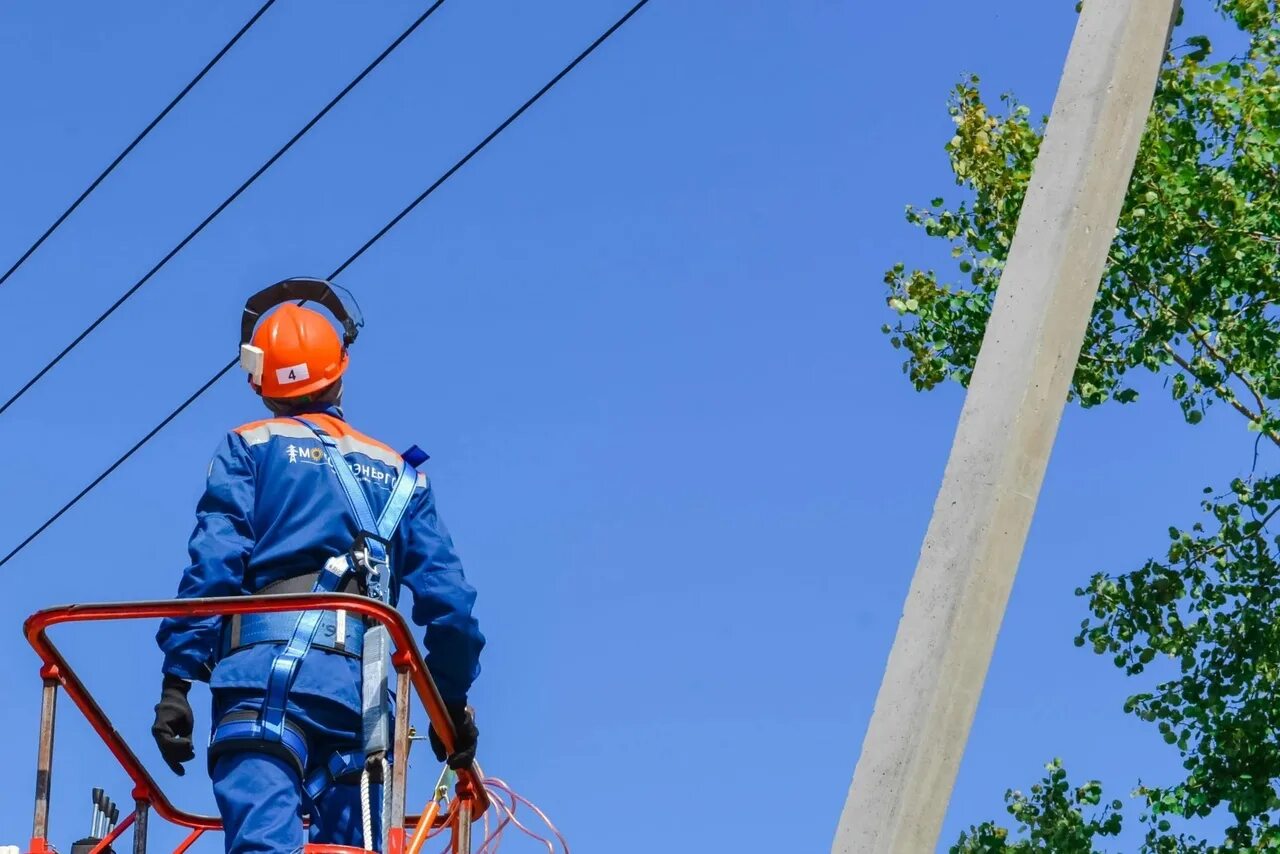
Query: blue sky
point(639, 337)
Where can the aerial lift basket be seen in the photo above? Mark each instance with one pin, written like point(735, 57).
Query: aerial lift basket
point(470, 799)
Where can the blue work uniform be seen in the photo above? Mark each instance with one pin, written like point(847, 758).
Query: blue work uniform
point(273, 510)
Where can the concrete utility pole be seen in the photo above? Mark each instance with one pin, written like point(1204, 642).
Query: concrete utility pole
point(957, 600)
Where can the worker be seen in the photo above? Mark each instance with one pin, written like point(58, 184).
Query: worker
point(277, 517)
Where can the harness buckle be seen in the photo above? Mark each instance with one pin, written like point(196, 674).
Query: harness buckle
point(371, 556)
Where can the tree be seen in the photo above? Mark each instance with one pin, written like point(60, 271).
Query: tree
point(1051, 818)
point(1190, 293)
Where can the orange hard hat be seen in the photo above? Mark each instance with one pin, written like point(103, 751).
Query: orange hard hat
point(301, 353)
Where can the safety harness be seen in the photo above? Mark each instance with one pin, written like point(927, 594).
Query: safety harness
point(369, 561)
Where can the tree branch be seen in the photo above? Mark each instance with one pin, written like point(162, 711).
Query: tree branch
point(1223, 392)
point(1231, 371)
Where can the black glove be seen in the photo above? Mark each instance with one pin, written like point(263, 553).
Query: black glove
point(465, 736)
point(174, 722)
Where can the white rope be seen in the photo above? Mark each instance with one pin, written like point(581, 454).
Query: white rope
point(366, 809)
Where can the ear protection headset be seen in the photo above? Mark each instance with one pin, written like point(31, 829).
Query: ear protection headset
point(339, 301)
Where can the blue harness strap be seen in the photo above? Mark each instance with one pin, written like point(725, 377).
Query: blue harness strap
point(270, 725)
point(243, 730)
point(372, 552)
point(383, 526)
point(398, 503)
point(342, 634)
point(342, 763)
point(285, 666)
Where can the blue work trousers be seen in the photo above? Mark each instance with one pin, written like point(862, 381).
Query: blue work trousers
point(261, 797)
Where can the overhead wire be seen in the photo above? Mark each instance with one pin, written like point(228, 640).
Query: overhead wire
point(93, 185)
point(261, 170)
point(601, 39)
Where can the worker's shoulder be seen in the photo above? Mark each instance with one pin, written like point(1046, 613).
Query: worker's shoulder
point(342, 430)
point(352, 440)
point(348, 439)
point(259, 432)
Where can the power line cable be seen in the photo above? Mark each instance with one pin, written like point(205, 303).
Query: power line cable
point(75, 342)
point(137, 139)
point(369, 243)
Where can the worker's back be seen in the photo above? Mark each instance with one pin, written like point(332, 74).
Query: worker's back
point(300, 516)
point(274, 507)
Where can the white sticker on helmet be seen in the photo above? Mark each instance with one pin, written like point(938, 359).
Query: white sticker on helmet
point(292, 374)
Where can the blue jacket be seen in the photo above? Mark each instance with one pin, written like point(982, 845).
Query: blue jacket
point(272, 509)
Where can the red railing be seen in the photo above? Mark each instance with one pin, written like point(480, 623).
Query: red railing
point(471, 799)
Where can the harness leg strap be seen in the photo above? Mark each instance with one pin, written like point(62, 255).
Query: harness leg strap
point(267, 729)
point(238, 731)
point(284, 669)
